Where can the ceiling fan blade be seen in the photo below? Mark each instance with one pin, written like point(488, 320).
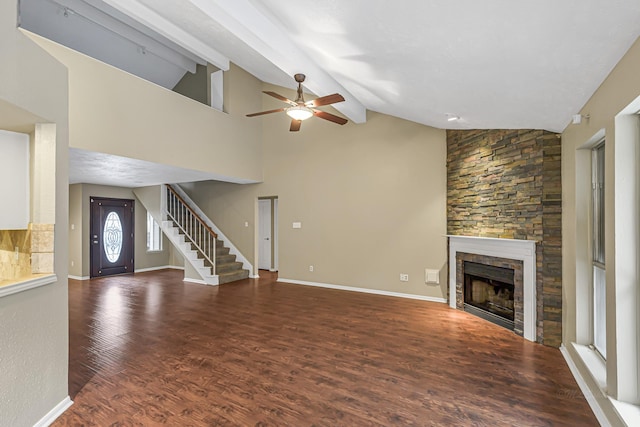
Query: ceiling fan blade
point(295, 125)
point(325, 100)
point(265, 112)
point(280, 97)
point(330, 117)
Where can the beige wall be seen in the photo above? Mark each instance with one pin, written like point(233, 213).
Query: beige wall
point(34, 333)
point(117, 113)
point(619, 89)
point(371, 199)
point(75, 230)
point(79, 213)
point(197, 86)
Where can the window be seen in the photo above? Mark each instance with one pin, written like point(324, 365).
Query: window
point(112, 237)
point(598, 254)
point(154, 234)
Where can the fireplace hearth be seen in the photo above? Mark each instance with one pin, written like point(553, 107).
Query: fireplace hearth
point(489, 293)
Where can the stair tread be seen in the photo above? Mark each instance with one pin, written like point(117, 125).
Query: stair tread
point(233, 272)
point(229, 267)
point(229, 263)
point(233, 276)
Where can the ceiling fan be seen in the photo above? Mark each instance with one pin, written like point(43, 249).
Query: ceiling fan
point(300, 110)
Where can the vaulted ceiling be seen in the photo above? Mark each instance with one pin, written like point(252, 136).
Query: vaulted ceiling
point(493, 63)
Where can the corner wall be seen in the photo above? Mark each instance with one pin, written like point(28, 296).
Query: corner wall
point(507, 183)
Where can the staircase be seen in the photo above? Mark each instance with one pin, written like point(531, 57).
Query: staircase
point(229, 270)
point(224, 269)
point(208, 259)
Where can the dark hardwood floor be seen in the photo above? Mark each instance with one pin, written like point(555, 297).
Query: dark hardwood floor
point(149, 349)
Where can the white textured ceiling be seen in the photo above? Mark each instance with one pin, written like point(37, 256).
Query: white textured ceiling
point(494, 63)
point(89, 167)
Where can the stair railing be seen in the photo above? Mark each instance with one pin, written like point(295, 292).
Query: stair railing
point(194, 228)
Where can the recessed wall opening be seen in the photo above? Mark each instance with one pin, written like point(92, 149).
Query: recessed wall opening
point(485, 283)
point(489, 293)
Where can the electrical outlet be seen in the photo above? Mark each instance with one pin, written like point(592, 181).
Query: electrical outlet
point(404, 277)
point(311, 268)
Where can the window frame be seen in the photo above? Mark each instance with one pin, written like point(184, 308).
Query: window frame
point(598, 254)
point(154, 233)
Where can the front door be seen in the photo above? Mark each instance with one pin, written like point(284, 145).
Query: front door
point(111, 227)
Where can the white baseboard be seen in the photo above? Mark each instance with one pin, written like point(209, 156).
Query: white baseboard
point(141, 270)
point(197, 281)
point(586, 391)
point(364, 290)
point(53, 414)
point(161, 267)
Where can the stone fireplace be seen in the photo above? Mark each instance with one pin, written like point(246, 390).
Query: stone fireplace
point(506, 185)
point(497, 256)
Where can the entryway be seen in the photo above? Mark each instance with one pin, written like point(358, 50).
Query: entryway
point(112, 228)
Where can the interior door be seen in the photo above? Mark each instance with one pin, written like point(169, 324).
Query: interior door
point(112, 228)
point(264, 234)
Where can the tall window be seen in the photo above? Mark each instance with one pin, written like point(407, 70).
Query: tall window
point(154, 235)
point(598, 256)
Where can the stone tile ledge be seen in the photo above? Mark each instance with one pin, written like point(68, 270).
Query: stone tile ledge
point(10, 287)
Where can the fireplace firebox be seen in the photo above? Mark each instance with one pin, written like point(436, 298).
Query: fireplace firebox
point(489, 293)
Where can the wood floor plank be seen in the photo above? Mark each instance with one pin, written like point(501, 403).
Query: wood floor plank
point(149, 350)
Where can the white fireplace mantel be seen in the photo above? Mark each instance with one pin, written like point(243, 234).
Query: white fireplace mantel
point(522, 250)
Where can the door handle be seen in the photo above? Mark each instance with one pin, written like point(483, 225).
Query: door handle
point(266, 238)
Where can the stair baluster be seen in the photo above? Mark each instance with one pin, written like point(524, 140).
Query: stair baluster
point(194, 228)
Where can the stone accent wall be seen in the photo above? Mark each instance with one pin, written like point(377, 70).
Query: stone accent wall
point(507, 183)
point(42, 248)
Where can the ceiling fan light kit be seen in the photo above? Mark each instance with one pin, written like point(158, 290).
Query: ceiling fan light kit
point(300, 110)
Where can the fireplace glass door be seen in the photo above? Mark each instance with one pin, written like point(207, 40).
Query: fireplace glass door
point(489, 293)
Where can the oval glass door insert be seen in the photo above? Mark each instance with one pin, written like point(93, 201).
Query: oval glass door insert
point(112, 237)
